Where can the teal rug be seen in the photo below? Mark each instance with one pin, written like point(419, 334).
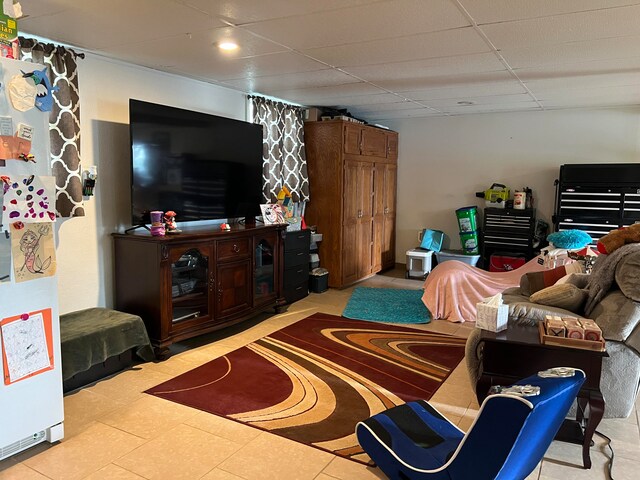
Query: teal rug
point(387, 305)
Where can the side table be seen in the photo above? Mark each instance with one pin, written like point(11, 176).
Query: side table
point(515, 353)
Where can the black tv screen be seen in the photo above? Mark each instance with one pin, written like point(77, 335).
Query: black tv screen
point(201, 166)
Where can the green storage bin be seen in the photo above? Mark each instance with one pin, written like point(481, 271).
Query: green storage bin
point(467, 219)
point(470, 243)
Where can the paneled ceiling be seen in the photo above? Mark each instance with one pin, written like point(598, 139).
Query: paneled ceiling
point(380, 59)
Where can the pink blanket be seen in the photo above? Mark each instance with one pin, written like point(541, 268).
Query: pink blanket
point(453, 288)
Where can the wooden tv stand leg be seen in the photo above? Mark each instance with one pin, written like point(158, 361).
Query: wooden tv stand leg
point(162, 353)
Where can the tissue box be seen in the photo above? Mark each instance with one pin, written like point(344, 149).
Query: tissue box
point(492, 318)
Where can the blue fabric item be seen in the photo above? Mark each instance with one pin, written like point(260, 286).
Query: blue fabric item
point(507, 440)
point(570, 239)
point(432, 240)
point(393, 305)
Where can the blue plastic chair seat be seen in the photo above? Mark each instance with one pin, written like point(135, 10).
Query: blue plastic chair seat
point(507, 440)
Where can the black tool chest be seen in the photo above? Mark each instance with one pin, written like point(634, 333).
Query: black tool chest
point(507, 230)
point(597, 198)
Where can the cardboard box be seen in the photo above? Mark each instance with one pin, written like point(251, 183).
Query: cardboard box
point(312, 114)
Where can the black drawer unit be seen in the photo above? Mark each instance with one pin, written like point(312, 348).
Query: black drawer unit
point(296, 265)
point(507, 230)
point(597, 198)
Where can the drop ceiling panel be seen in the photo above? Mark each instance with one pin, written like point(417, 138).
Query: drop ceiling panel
point(465, 110)
point(316, 100)
point(592, 97)
point(40, 8)
point(494, 11)
point(573, 95)
point(607, 101)
point(372, 99)
point(461, 41)
point(600, 49)
point(462, 91)
point(318, 78)
point(186, 51)
point(462, 81)
point(615, 22)
point(512, 99)
point(385, 107)
point(96, 24)
point(414, 113)
point(431, 67)
point(327, 95)
point(245, 11)
point(569, 70)
point(251, 67)
point(363, 23)
point(584, 81)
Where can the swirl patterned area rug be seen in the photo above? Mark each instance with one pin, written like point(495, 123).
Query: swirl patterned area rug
point(315, 379)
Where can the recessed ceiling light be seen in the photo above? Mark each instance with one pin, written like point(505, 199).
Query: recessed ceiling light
point(466, 103)
point(227, 45)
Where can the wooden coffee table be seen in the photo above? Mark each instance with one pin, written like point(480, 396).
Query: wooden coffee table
point(516, 353)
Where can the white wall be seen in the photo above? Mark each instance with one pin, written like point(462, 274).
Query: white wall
point(443, 161)
point(85, 248)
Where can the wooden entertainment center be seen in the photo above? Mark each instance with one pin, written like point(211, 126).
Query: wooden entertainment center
point(200, 280)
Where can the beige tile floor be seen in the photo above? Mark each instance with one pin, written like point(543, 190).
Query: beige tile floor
point(116, 432)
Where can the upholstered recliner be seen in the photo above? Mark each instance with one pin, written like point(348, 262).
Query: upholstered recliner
point(616, 309)
point(507, 440)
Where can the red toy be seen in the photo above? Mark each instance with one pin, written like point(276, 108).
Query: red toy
point(170, 222)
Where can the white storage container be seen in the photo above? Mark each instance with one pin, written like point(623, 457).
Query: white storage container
point(445, 255)
point(418, 263)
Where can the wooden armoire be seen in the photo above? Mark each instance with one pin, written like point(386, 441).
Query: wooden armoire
point(352, 178)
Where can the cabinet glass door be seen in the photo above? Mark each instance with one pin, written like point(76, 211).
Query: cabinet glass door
point(190, 284)
point(265, 273)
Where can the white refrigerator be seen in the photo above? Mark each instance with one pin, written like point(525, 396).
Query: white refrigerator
point(31, 400)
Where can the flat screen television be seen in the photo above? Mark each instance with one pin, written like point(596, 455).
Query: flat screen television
point(201, 166)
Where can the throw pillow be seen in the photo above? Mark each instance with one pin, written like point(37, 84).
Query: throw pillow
point(531, 282)
point(570, 239)
point(578, 279)
point(628, 275)
point(564, 295)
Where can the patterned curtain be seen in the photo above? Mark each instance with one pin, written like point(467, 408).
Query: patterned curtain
point(64, 121)
point(284, 160)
